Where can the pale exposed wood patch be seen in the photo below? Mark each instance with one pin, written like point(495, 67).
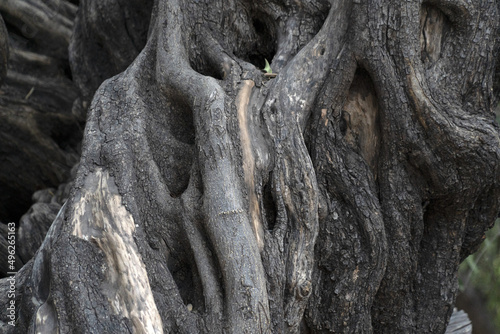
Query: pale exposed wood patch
point(46, 319)
point(242, 101)
point(361, 115)
point(101, 218)
point(432, 22)
point(324, 116)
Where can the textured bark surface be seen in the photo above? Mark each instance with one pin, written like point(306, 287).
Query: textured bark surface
point(40, 124)
point(337, 197)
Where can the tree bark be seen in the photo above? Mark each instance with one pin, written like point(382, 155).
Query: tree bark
point(337, 197)
point(41, 124)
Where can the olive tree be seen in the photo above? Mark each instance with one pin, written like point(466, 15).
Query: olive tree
point(337, 194)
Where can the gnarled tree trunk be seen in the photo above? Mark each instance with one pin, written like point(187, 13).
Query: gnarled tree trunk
point(337, 197)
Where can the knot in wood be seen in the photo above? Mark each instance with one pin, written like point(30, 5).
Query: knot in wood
point(304, 290)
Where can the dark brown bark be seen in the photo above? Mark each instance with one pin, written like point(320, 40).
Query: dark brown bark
point(338, 197)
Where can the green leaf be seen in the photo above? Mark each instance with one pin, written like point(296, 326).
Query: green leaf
point(268, 67)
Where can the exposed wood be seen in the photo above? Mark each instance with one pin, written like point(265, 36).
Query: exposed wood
point(459, 323)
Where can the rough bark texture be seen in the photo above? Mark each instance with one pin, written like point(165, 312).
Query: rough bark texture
point(40, 124)
point(338, 197)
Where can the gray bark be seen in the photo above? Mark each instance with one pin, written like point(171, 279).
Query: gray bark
point(337, 197)
point(41, 124)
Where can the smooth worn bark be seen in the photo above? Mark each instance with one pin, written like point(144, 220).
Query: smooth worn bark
point(338, 196)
